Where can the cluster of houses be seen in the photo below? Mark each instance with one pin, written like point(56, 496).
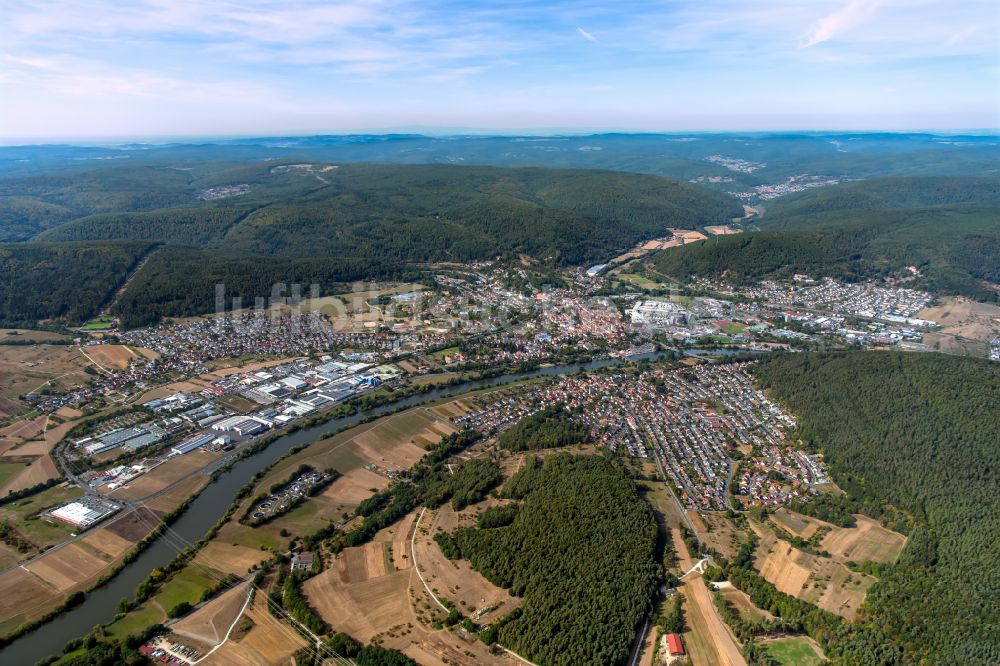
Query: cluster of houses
point(695, 422)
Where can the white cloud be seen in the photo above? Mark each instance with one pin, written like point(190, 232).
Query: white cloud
point(847, 17)
point(586, 35)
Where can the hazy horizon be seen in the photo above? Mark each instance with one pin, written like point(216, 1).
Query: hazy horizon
point(470, 132)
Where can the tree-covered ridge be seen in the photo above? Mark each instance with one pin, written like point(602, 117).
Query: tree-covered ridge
point(956, 247)
point(428, 213)
point(180, 281)
point(23, 217)
point(67, 281)
point(340, 223)
point(580, 550)
point(437, 212)
point(185, 225)
point(918, 432)
point(884, 194)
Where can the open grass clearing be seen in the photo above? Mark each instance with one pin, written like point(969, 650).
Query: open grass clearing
point(796, 651)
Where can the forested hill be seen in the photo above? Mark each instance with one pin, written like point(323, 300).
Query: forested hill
point(425, 213)
point(918, 432)
point(949, 228)
point(326, 223)
point(68, 281)
point(882, 194)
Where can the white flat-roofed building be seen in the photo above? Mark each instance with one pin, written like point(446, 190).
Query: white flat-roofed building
point(658, 313)
point(193, 443)
point(294, 383)
point(84, 512)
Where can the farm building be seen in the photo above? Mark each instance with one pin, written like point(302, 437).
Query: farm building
point(675, 645)
point(301, 561)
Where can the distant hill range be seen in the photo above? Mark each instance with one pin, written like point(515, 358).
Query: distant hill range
point(251, 212)
point(251, 226)
point(948, 228)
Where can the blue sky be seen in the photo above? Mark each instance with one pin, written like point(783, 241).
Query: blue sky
point(96, 68)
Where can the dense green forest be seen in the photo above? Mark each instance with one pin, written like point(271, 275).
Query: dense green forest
point(186, 225)
point(182, 280)
point(349, 222)
point(546, 429)
point(918, 432)
point(66, 281)
point(949, 228)
point(884, 194)
point(581, 551)
point(429, 213)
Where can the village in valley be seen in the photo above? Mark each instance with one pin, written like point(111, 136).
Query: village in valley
point(656, 373)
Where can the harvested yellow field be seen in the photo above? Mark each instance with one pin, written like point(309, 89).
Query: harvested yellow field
point(456, 581)
point(67, 567)
point(230, 558)
point(781, 569)
point(363, 608)
point(111, 356)
point(826, 582)
point(210, 623)
point(107, 542)
point(355, 486)
point(268, 642)
point(869, 541)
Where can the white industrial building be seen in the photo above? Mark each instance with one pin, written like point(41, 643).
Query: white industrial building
point(658, 313)
point(193, 443)
point(83, 513)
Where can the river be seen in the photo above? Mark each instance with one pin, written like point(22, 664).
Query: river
point(101, 604)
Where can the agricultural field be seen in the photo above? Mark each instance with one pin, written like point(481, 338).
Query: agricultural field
point(34, 588)
point(964, 317)
point(67, 567)
point(111, 357)
point(25, 446)
point(868, 541)
point(708, 639)
point(269, 641)
point(967, 326)
point(822, 581)
point(24, 369)
point(9, 470)
point(457, 581)
point(373, 593)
